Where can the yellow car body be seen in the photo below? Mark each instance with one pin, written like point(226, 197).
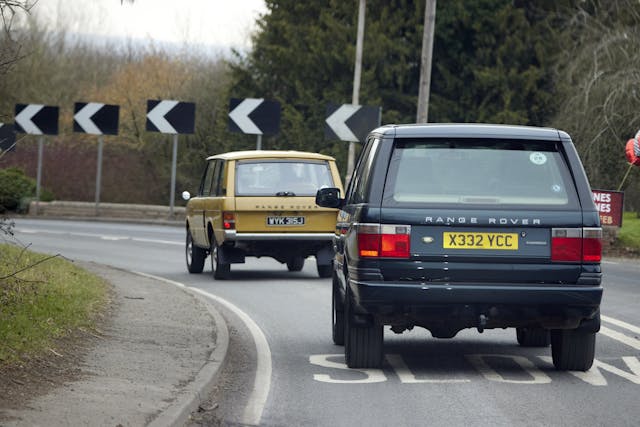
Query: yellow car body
point(262, 203)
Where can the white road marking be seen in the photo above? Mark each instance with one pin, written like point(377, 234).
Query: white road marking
point(372, 375)
point(595, 377)
point(107, 237)
point(406, 376)
point(164, 242)
point(618, 336)
point(620, 323)
point(262, 383)
point(478, 361)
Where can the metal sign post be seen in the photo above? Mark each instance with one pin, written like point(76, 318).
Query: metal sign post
point(171, 117)
point(96, 119)
point(99, 175)
point(39, 172)
point(37, 119)
point(173, 173)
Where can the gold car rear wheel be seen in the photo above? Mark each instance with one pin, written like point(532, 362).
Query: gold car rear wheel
point(220, 271)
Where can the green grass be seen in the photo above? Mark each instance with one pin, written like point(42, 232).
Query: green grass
point(629, 233)
point(42, 299)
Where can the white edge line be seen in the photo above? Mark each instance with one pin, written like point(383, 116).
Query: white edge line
point(262, 383)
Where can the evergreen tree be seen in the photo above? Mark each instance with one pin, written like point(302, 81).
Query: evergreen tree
point(488, 64)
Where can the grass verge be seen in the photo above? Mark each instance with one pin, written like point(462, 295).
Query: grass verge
point(629, 233)
point(42, 298)
point(626, 243)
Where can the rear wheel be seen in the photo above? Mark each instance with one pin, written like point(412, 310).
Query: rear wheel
point(295, 263)
point(572, 350)
point(337, 318)
point(362, 343)
point(195, 255)
point(220, 271)
point(325, 270)
point(533, 337)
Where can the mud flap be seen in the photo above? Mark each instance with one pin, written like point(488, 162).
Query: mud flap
point(230, 255)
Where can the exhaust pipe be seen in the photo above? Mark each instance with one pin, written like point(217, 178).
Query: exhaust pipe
point(482, 322)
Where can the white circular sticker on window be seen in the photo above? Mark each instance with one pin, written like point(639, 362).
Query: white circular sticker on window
point(538, 158)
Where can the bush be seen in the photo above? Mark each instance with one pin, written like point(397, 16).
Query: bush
point(14, 186)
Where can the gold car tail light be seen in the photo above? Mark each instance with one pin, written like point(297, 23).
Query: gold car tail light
point(228, 220)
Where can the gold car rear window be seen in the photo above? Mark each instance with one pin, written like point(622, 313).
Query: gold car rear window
point(271, 178)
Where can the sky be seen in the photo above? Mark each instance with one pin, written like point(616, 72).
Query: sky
point(214, 24)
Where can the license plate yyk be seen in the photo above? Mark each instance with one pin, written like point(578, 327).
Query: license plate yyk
point(466, 240)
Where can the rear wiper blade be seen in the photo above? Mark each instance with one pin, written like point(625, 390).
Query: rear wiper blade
point(285, 193)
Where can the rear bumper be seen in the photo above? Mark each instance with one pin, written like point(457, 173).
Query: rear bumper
point(234, 236)
point(369, 294)
point(446, 308)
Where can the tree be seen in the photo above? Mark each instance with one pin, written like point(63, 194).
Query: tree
point(597, 77)
point(488, 64)
point(9, 47)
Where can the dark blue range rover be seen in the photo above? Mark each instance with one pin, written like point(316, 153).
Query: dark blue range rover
point(454, 226)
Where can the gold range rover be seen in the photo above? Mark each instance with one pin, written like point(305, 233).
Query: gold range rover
point(261, 204)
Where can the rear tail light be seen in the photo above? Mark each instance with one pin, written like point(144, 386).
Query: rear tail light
point(384, 240)
point(576, 244)
point(228, 220)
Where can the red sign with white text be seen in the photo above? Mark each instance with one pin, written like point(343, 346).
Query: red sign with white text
point(609, 206)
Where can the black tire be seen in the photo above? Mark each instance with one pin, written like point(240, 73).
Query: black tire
point(533, 337)
point(195, 255)
point(362, 343)
point(325, 270)
point(572, 350)
point(337, 317)
point(220, 271)
point(296, 263)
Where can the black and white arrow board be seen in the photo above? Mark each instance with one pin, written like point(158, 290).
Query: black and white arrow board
point(95, 118)
point(170, 116)
point(7, 137)
point(36, 119)
point(254, 116)
point(348, 122)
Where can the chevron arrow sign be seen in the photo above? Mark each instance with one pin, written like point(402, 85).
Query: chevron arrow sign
point(167, 116)
point(95, 118)
point(348, 122)
point(36, 119)
point(7, 137)
point(254, 116)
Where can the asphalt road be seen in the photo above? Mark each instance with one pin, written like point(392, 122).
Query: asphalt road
point(286, 371)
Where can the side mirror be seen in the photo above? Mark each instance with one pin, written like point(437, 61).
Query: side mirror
point(329, 198)
point(186, 195)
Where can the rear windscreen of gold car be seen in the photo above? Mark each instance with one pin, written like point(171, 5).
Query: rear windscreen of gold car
point(282, 177)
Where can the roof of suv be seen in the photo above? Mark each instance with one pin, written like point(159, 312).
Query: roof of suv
point(269, 154)
point(470, 130)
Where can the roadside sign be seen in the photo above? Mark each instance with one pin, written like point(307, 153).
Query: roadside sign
point(348, 122)
point(7, 137)
point(254, 116)
point(95, 118)
point(168, 116)
point(609, 205)
point(36, 119)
